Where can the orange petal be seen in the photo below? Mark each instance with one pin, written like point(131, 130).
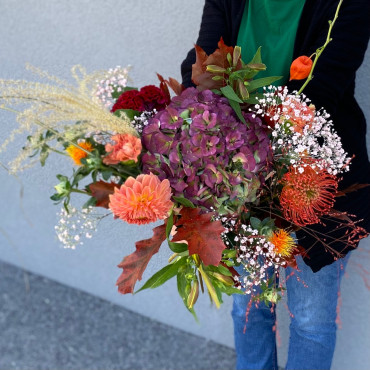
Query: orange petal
point(300, 68)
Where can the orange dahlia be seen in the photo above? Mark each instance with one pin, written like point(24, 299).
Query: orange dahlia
point(77, 154)
point(283, 242)
point(142, 200)
point(126, 147)
point(307, 195)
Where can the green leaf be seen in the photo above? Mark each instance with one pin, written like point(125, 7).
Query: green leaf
point(235, 105)
point(257, 57)
point(260, 82)
point(177, 247)
point(215, 69)
point(128, 88)
point(217, 78)
point(257, 66)
point(130, 113)
point(215, 91)
point(229, 59)
point(231, 290)
point(255, 223)
point(224, 270)
point(106, 174)
point(236, 55)
point(185, 202)
point(229, 93)
point(241, 74)
point(268, 222)
point(169, 225)
point(44, 154)
point(62, 178)
point(49, 134)
point(116, 94)
point(229, 253)
point(253, 99)
point(63, 188)
point(256, 157)
point(163, 275)
point(90, 203)
point(57, 197)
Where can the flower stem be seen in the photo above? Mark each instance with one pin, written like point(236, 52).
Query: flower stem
point(56, 133)
point(79, 191)
point(322, 48)
point(57, 151)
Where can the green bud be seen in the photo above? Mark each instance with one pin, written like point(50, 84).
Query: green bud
point(193, 295)
point(227, 280)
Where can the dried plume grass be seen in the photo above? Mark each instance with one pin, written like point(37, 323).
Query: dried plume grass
point(56, 106)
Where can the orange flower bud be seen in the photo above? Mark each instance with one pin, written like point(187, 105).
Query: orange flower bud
point(300, 68)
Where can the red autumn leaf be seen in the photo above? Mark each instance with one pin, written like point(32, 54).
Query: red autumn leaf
point(163, 86)
point(101, 190)
point(135, 263)
point(200, 76)
point(202, 235)
point(175, 86)
point(199, 67)
point(171, 83)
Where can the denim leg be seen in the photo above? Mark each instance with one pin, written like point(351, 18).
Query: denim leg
point(312, 301)
point(254, 335)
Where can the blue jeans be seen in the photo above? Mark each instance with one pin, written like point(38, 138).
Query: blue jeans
point(312, 301)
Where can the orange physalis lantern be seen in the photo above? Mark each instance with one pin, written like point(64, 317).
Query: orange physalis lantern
point(300, 68)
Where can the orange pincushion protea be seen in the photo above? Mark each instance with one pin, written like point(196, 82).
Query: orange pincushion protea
point(77, 154)
point(142, 200)
point(283, 242)
point(307, 196)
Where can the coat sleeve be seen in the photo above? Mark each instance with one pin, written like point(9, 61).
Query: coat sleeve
point(336, 68)
point(213, 26)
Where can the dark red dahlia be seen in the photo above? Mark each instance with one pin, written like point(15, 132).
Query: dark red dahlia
point(154, 98)
point(131, 99)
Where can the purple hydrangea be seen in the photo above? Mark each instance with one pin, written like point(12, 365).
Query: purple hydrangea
point(207, 154)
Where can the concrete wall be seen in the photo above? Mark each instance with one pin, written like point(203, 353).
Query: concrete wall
point(153, 36)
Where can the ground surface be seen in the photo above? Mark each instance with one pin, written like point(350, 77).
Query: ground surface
point(55, 327)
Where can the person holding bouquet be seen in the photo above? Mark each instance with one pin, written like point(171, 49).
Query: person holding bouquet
point(287, 30)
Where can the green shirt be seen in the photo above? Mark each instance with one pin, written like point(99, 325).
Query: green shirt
point(271, 24)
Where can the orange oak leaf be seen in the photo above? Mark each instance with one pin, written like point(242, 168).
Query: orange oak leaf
point(175, 85)
point(219, 57)
point(202, 235)
point(101, 190)
point(200, 76)
point(135, 263)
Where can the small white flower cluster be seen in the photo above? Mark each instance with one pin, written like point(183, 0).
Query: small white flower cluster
point(141, 121)
point(254, 252)
point(115, 80)
point(75, 225)
point(301, 133)
point(99, 137)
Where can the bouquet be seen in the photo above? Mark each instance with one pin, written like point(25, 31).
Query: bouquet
point(232, 166)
